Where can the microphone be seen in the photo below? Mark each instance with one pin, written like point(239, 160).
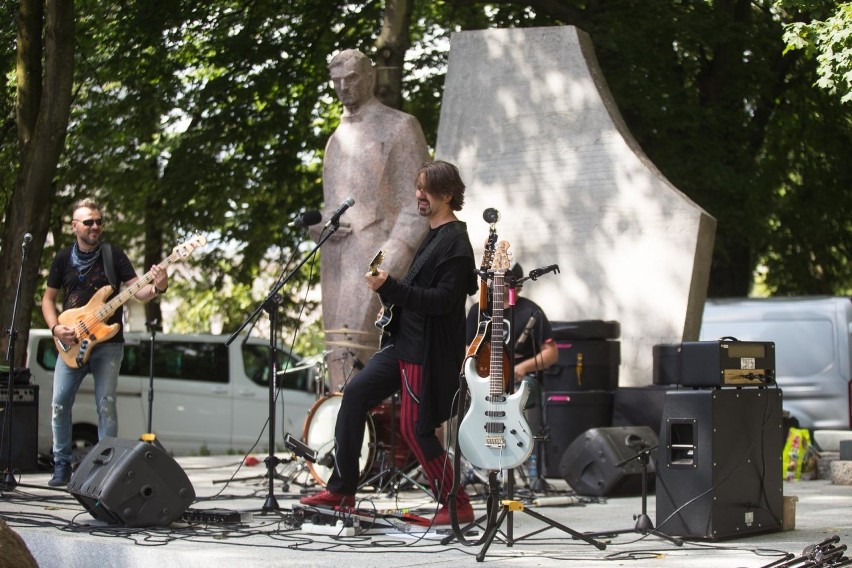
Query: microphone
point(27, 238)
point(335, 219)
point(491, 215)
point(306, 219)
point(527, 331)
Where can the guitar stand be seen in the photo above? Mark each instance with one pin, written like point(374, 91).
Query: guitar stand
point(390, 478)
point(644, 525)
point(509, 507)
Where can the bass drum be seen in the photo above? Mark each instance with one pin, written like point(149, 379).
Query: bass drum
point(318, 434)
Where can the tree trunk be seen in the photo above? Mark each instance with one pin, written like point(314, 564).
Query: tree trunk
point(391, 46)
point(43, 108)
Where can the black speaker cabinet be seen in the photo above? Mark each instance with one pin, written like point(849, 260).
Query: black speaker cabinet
point(719, 470)
point(609, 461)
point(584, 364)
point(566, 416)
point(23, 434)
point(131, 483)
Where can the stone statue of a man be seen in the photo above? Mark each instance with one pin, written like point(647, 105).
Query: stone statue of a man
point(373, 156)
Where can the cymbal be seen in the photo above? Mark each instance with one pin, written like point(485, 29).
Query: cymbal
point(347, 331)
point(300, 367)
point(305, 363)
point(351, 345)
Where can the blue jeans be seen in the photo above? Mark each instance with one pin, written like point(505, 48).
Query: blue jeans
point(104, 364)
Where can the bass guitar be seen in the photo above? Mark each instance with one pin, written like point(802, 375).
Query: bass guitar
point(494, 433)
point(89, 321)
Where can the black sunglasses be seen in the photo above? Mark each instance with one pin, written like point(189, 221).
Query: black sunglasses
point(90, 222)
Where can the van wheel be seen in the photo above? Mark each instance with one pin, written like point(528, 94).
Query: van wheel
point(84, 437)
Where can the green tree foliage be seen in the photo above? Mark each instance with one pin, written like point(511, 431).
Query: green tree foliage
point(825, 34)
point(212, 117)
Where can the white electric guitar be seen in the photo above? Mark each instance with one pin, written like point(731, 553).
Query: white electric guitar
point(494, 433)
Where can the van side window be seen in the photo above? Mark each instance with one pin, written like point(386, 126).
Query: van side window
point(46, 353)
point(256, 363)
point(184, 360)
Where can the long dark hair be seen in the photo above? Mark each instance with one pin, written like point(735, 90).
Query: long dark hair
point(441, 179)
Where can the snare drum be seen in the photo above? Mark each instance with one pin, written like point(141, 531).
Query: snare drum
point(318, 434)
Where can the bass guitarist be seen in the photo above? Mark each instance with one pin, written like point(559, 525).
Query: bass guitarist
point(80, 271)
point(422, 356)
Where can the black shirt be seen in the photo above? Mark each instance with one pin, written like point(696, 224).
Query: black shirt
point(79, 287)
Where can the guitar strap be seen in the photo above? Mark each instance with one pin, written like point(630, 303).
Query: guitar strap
point(430, 248)
point(109, 265)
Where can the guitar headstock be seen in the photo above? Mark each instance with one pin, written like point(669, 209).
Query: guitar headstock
point(501, 257)
point(375, 263)
point(184, 249)
point(488, 253)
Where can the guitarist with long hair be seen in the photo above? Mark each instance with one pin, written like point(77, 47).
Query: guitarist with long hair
point(80, 271)
point(422, 353)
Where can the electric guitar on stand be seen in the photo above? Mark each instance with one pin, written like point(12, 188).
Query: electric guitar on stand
point(494, 433)
point(89, 321)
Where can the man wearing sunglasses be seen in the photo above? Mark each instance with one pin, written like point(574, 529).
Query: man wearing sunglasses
point(80, 271)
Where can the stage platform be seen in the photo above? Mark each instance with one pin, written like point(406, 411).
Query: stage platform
point(60, 532)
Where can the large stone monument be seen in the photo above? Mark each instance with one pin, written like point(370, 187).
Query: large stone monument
point(373, 156)
point(530, 122)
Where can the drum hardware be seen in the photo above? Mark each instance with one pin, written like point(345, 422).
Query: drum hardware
point(306, 363)
point(391, 477)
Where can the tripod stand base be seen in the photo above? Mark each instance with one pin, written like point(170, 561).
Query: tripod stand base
point(510, 506)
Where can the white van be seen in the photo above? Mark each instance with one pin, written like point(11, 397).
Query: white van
point(207, 396)
point(813, 342)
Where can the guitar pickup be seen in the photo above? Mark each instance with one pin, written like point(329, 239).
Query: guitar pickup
point(495, 427)
point(497, 413)
point(496, 398)
point(495, 442)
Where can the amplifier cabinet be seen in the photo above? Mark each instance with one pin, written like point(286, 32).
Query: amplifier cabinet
point(719, 469)
point(23, 433)
point(727, 363)
point(567, 415)
point(584, 364)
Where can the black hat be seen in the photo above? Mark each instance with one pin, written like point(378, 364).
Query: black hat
point(517, 271)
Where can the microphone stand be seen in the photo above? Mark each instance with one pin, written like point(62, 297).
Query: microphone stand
point(270, 305)
point(149, 435)
point(9, 478)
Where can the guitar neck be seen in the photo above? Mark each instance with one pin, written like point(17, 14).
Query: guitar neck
point(496, 374)
point(107, 309)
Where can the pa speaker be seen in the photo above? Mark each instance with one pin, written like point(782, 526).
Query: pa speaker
point(610, 461)
point(131, 483)
point(719, 471)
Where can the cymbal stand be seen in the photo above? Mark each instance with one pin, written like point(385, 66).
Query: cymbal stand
point(391, 477)
point(644, 525)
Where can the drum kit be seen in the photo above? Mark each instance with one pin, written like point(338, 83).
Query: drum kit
point(386, 460)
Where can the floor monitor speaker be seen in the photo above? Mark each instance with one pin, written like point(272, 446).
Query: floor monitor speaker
point(719, 469)
point(131, 483)
point(604, 461)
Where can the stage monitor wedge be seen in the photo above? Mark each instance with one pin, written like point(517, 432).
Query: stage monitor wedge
point(131, 483)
